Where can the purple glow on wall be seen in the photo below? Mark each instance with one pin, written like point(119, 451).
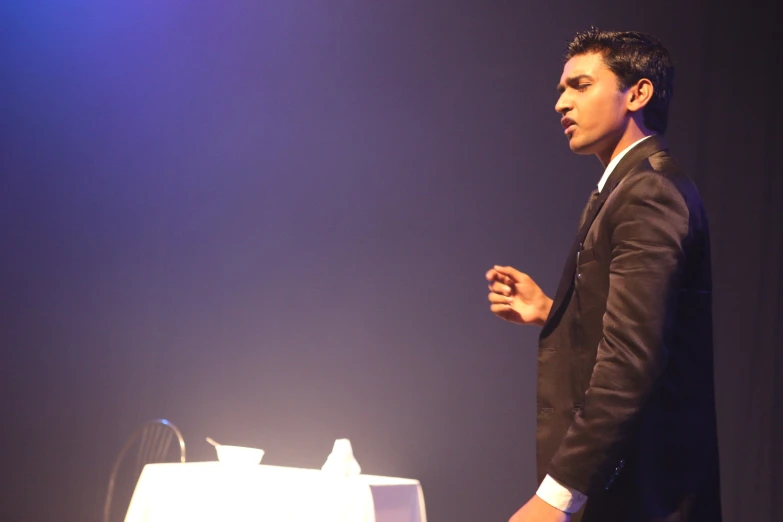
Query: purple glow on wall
point(269, 223)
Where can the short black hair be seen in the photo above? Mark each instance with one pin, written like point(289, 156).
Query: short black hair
point(631, 56)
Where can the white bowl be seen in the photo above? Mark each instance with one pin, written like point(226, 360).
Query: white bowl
point(239, 455)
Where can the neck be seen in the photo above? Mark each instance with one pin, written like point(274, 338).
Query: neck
point(632, 134)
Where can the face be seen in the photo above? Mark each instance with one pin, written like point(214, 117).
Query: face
point(594, 109)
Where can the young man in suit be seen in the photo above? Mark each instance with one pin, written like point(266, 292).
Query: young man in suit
point(626, 418)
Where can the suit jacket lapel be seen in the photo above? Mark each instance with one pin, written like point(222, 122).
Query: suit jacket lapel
point(564, 290)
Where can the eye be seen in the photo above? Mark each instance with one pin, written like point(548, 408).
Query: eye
point(582, 86)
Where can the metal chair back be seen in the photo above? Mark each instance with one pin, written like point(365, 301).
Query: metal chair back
point(156, 440)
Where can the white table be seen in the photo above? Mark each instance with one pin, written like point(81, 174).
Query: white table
point(215, 491)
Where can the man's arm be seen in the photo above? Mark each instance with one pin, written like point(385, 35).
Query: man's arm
point(648, 229)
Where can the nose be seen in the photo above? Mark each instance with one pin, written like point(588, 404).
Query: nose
point(563, 104)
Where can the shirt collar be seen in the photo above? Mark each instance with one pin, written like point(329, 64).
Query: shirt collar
point(616, 160)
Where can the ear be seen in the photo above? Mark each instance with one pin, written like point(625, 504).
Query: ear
point(639, 95)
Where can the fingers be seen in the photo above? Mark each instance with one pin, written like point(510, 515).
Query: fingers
point(509, 271)
point(506, 275)
point(499, 299)
point(494, 275)
point(500, 308)
point(500, 288)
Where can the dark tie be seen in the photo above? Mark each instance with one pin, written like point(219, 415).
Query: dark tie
point(567, 280)
point(570, 266)
point(590, 202)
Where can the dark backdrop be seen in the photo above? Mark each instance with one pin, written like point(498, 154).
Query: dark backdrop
point(269, 222)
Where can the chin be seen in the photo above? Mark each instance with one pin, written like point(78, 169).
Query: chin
point(580, 147)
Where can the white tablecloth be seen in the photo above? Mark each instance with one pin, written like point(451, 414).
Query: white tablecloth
point(214, 491)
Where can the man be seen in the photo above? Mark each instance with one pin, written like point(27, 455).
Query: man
point(626, 418)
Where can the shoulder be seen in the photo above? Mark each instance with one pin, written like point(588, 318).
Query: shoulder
point(661, 178)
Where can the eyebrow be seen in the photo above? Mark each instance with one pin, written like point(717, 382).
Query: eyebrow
point(573, 81)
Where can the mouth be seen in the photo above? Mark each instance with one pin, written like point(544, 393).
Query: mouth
point(568, 124)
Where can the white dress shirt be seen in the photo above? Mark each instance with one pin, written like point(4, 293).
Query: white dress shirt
point(551, 491)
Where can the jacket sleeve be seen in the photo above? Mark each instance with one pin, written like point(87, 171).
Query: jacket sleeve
point(648, 224)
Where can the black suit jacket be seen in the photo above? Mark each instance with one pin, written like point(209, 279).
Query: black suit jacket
point(625, 366)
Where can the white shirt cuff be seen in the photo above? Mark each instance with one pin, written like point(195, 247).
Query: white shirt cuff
point(559, 496)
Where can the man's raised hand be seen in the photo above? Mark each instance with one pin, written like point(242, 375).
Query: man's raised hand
point(515, 297)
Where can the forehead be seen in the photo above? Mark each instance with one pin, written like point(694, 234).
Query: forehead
point(590, 64)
